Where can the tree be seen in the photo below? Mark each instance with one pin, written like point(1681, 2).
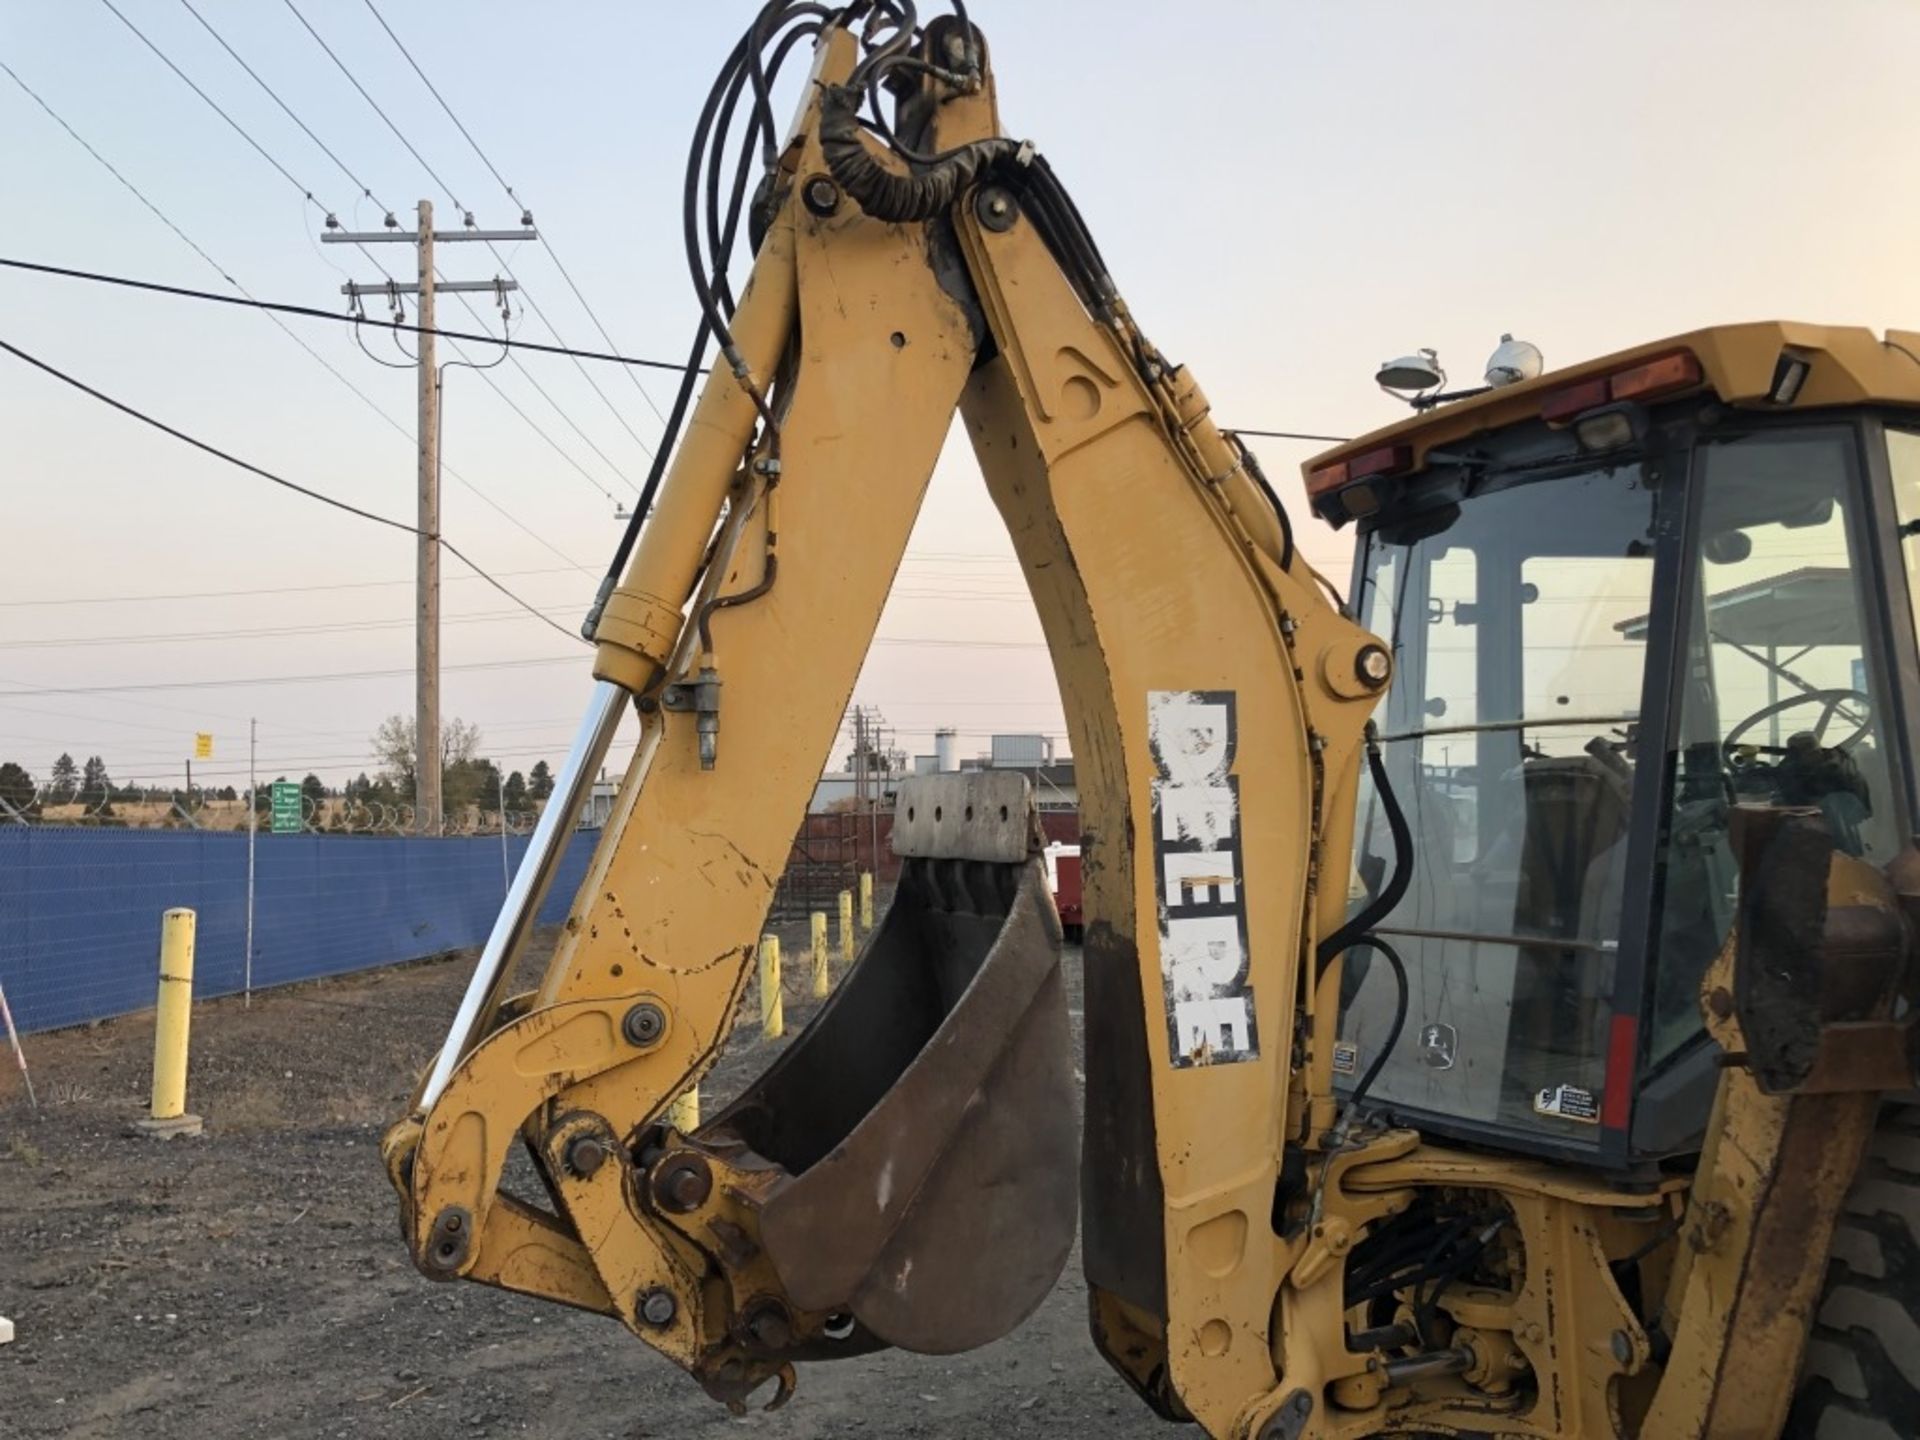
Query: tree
point(539, 781)
point(474, 781)
point(516, 791)
point(395, 745)
point(64, 782)
point(17, 788)
point(96, 790)
point(313, 791)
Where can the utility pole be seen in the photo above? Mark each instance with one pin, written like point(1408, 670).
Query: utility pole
point(876, 743)
point(859, 777)
point(426, 565)
point(428, 804)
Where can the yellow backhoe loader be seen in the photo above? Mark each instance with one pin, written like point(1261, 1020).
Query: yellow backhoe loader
point(1498, 990)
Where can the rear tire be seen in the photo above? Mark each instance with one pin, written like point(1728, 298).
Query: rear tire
point(1861, 1376)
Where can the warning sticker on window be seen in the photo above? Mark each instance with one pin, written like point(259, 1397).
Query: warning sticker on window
point(1346, 1057)
point(1568, 1102)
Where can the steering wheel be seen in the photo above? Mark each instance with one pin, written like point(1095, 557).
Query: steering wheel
point(1742, 758)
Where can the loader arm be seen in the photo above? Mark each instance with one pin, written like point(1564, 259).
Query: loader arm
point(904, 1175)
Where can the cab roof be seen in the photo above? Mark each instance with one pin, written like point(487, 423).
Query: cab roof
point(1848, 365)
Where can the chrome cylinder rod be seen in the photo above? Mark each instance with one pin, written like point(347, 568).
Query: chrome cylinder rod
point(530, 882)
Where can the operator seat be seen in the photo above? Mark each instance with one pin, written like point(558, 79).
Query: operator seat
point(1571, 879)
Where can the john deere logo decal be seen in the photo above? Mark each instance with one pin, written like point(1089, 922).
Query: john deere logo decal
point(1197, 877)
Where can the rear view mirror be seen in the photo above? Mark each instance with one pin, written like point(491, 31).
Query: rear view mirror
point(1729, 547)
point(1818, 513)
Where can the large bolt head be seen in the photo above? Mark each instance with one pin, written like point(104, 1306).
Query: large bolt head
point(821, 195)
point(1373, 666)
point(996, 208)
point(682, 1185)
point(644, 1024)
point(769, 1326)
point(586, 1154)
point(658, 1307)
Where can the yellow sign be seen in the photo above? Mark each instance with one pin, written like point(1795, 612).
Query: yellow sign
point(202, 746)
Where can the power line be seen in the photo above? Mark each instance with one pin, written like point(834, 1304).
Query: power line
point(566, 275)
point(250, 302)
point(318, 627)
point(376, 104)
point(345, 627)
point(356, 181)
point(237, 681)
point(257, 590)
point(313, 313)
point(431, 90)
point(467, 215)
point(238, 128)
point(911, 557)
point(268, 475)
point(554, 330)
point(526, 662)
point(93, 719)
point(485, 374)
point(307, 192)
point(367, 190)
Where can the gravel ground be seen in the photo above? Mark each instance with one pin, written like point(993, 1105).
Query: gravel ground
point(251, 1282)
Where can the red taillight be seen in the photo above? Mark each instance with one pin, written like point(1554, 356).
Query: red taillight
point(1342, 490)
point(1563, 405)
point(1387, 460)
point(1659, 376)
point(1327, 477)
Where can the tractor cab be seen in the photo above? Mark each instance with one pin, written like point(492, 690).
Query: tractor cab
point(1623, 600)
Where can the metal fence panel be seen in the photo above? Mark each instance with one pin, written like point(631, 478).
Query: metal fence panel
point(80, 908)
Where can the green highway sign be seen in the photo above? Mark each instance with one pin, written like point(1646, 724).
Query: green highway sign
point(286, 808)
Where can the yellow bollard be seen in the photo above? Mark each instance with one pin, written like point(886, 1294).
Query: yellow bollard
point(172, 1012)
point(866, 900)
point(821, 981)
point(773, 1020)
point(846, 927)
point(684, 1113)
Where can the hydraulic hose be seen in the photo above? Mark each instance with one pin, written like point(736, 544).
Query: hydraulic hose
point(1374, 942)
point(1390, 895)
point(1358, 930)
point(896, 199)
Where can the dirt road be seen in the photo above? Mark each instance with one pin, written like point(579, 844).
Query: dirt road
point(251, 1283)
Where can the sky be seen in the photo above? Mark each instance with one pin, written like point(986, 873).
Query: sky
point(1287, 193)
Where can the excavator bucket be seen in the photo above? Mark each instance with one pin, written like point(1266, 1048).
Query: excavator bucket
point(924, 1121)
